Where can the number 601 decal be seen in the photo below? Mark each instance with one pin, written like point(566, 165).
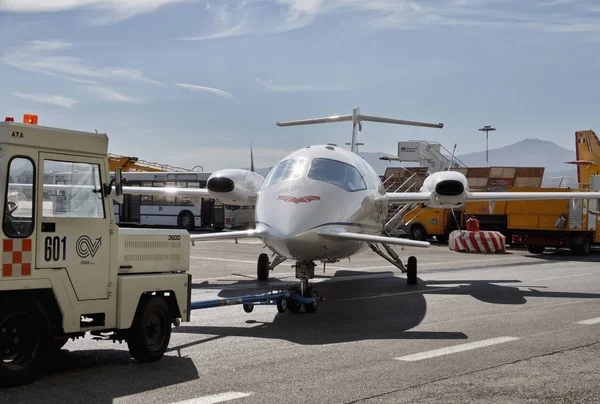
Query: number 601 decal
point(53, 247)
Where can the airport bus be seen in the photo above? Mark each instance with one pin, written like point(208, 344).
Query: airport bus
point(177, 211)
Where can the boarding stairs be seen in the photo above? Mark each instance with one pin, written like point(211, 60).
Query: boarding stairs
point(401, 179)
point(432, 157)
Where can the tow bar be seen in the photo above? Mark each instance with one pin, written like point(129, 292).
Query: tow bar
point(284, 300)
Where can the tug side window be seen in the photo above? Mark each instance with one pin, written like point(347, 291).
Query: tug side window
point(19, 200)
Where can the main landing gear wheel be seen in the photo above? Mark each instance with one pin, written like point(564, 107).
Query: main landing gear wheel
point(262, 267)
point(294, 306)
point(411, 270)
point(311, 307)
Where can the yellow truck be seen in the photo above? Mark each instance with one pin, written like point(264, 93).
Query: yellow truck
point(559, 224)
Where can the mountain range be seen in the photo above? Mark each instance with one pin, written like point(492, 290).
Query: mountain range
point(525, 153)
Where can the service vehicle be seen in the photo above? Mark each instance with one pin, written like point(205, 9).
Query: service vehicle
point(67, 268)
point(557, 223)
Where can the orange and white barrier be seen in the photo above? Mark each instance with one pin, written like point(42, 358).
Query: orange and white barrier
point(477, 241)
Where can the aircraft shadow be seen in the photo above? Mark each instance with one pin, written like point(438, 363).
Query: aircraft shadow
point(100, 376)
point(355, 320)
point(370, 308)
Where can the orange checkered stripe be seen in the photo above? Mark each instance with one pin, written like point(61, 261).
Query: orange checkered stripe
point(16, 257)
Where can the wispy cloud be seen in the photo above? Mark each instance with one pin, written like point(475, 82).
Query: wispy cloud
point(270, 86)
point(111, 95)
point(45, 57)
point(212, 90)
point(277, 16)
point(103, 11)
point(228, 22)
point(48, 99)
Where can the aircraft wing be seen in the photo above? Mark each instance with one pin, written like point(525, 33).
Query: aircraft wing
point(367, 238)
point(228, 235)
point(198, 192)
point(530, 196)
point(416, 197)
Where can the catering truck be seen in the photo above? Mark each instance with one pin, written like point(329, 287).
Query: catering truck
point(67, 268)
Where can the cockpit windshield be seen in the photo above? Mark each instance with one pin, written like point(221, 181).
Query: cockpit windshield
point(286, 170)
point(337, 173)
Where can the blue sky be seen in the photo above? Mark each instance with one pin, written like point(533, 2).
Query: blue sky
point(193, 82)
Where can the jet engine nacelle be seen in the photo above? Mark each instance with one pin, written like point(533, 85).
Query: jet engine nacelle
point(448, 189)
point(235, 186)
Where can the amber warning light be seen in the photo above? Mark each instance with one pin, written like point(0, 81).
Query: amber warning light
point(30, 119)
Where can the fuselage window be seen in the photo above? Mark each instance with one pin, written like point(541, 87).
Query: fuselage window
point(337, 173)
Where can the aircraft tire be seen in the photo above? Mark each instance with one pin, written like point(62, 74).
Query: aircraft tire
point(262, 267)
point(248, 307)
point(311, 307)
point(294, 306)
point(411, 270)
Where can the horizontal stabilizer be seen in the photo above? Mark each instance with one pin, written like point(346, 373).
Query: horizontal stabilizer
point(228, 235)
point(367, 238)
point(582, 162)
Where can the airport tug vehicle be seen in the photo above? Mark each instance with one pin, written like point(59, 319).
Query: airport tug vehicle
point(67, 268)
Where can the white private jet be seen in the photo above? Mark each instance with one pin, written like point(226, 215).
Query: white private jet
point(324, 203)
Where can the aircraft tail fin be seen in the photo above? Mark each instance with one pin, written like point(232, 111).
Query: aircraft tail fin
point(587, 146)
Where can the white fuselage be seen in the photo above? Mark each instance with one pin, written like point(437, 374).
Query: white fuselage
point(318, 188)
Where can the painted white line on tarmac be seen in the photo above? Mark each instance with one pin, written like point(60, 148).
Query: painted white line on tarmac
point(215, 398)
point(590, 321)
point(560, 277)
point(457, 348)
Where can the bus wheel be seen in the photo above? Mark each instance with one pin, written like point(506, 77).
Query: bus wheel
point(186, 220)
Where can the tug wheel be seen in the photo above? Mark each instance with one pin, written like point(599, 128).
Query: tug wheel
point(262, 267)
point(411, 270)
point(294, 305)
point(25, 338)
point(311, 307)
point(282, 305)
point(150, 331)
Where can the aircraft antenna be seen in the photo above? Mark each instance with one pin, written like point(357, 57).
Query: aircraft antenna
point(357, 118)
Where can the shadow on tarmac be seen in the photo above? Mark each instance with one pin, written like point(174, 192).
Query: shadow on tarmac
point(566, 256)
point(99, 376)
point(370, 308)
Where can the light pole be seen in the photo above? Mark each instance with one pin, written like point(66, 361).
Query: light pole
point(486, 129)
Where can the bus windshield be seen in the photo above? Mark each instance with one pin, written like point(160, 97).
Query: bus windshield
point(286, 170)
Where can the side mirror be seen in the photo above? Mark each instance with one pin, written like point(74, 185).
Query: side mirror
point(118, 182)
